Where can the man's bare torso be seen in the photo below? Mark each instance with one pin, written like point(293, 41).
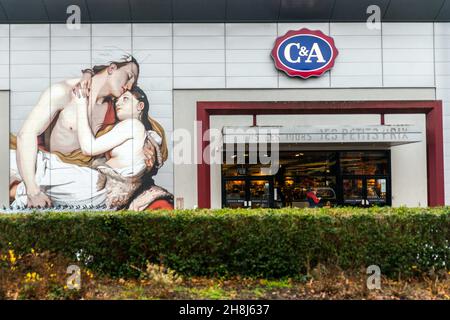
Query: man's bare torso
point(64, 137)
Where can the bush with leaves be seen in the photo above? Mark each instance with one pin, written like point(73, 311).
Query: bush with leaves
point(260, 242)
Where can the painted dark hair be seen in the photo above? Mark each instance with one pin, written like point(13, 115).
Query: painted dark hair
point(125, 60)
point(140, 95)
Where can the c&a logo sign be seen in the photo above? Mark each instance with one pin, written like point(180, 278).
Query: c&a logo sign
point(304, 53)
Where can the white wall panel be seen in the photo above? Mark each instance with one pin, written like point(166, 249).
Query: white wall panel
point(61, 30)
point(152, 43)
point(24, 85)
point(199, 69)
point(71, 43)
point(251, 70)
point(152, 29)
point(198, 56)
point(352, 29)
point(285, 81)
point(410, 55)
point(155, 83)
point(407, 29)
point(30, 71)
point(286, 26)
point(160, 97)
point(441, 55)
point(161, 111)
point(252, 82)
point(111, 43)
point(29, 30)
point(358, 63)
point(248, 56)
point(111, 30)
point(198, 42)
point(4, 58)
point(29, 78)
point(24, 98)
point(25, 58)
point(157, 56)
point(150, 70)
point(408, 40)
point(152, 47)
point(27, 44)
point(248, 47)
point(359, 55)
point(253, 29)
point(198, 29)
point(409, 165)
point(442, 78)
point(250, 42)
point(349, 81)
point(68, 71)
point(4, 32)
point(20, 110)
point(199, 82)
point(357, 42)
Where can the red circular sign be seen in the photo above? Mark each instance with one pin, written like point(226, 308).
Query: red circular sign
point(304, 53)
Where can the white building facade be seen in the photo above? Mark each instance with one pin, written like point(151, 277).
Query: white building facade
point(219, 75)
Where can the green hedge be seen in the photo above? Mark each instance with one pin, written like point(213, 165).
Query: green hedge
point(265, 242)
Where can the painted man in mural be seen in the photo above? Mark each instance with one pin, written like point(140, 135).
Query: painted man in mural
point(61, 161)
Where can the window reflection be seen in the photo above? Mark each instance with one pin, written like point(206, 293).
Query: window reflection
point(337, 177)
point(353, 189)
point(376, 190)
point(293, 190)
point(235, 193)
point(364, 163)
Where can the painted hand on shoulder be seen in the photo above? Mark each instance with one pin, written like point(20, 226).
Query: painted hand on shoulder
point(80, 101)
point(83, 87)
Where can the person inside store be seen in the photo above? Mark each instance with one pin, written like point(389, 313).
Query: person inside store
point(312, 198)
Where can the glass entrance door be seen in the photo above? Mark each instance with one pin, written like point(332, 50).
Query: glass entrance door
point(340, 178)
point(353, 191)
point(235, 195)
point(365, 191)
point(260, 194)
point(248, 192)
point(376, 191)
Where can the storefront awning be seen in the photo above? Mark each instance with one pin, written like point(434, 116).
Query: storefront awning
point(138, 11)
point(383, 135)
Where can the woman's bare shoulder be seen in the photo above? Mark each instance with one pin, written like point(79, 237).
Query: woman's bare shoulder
point(133, 124)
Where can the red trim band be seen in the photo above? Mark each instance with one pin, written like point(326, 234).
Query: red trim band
point(434, 132)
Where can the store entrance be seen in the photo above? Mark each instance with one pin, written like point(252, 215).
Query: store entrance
point(337, 178)
point(248, 192)
point(365, 191)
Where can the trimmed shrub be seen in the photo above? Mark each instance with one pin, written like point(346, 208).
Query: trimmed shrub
point(259, 242)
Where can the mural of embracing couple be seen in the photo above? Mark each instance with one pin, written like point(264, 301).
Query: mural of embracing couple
point(90, 142)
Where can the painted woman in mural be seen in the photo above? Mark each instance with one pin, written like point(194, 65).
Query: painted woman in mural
point(123, 170)
point(51, 128)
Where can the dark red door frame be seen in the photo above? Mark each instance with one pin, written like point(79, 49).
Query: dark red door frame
point(434, 132)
